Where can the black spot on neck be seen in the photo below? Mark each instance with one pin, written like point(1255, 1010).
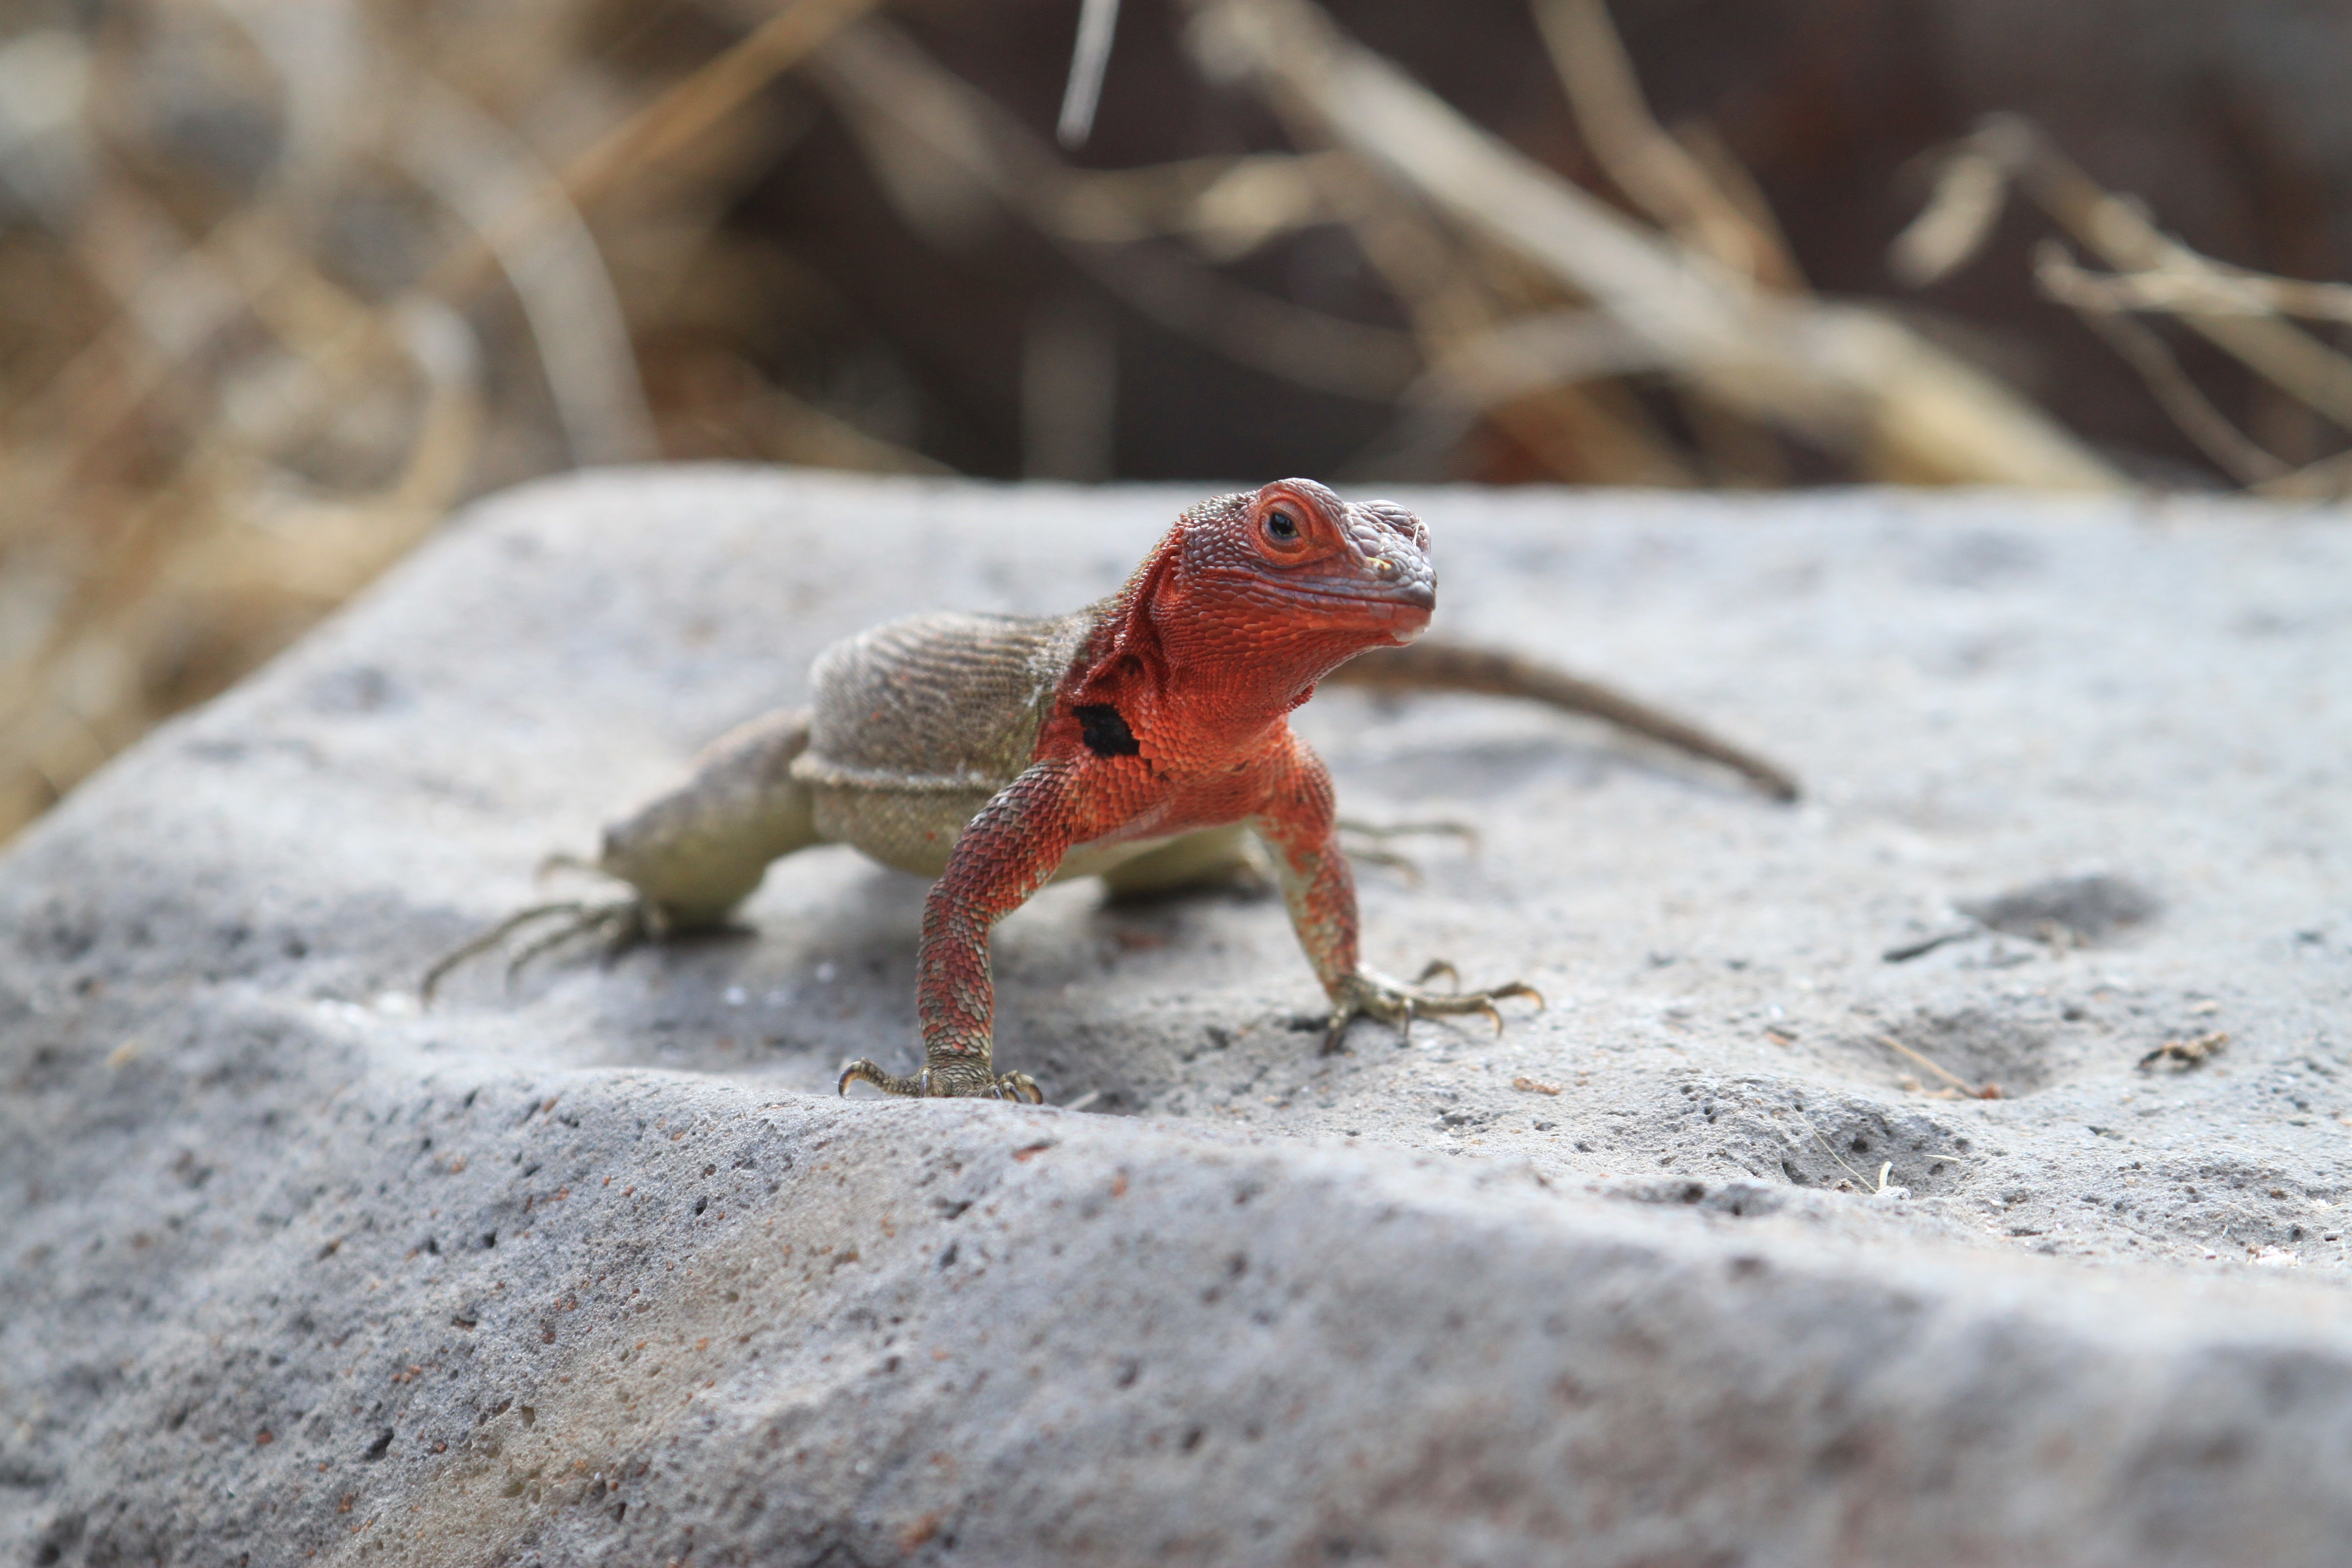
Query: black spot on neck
point(1106, 733)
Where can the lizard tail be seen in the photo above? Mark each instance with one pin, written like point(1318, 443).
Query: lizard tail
point(1435, 665)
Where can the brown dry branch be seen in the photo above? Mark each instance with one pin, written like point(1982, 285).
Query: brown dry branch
point(2006, 150)
point(2232, 449)
point(893, 94)
point(245, 417)
point(1845, 377)
point(1692, 185)
point(1653, 168)
point(484, 174)
point(1225, 208)
point(1956, 1087)
point(2330, 479)
point(2222, 292)
point(1579, 432)
point(676, 120)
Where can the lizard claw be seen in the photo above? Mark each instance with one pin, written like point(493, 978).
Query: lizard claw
point(1381, 833)
point(1365, 994)
point(958, 1080)
point(1018, 1087)
point(1374, 853)
point(622, 922)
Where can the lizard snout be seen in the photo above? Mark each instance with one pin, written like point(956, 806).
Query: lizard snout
point(1391, 560)
point(1418, 591)
point(1396, 588)
point(1415, 585)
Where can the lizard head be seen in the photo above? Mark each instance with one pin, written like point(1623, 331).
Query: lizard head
point(1255, 597)
point(1294, 555)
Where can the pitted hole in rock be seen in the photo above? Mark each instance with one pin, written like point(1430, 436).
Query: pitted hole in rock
point(2019, 1054)
point(1841, 1144)
point(2069, 911)
point(1737, 1200)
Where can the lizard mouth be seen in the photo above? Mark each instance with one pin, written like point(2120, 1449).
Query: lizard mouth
point(1380, 588)
point(1400, 609)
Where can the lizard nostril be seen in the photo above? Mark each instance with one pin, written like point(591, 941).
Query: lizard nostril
point(1384, 567)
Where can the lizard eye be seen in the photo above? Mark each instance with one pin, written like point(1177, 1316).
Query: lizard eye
point(1281, 528)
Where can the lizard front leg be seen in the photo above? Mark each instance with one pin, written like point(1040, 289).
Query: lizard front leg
point(1006, 853)
point(1299, 826)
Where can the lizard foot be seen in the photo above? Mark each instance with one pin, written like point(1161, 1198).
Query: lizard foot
point(1368, 994)
point(622, 923)
point(969, 1080)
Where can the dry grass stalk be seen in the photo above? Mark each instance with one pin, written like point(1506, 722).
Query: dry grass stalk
point(1956, 1087)
point(2222, 291)
point(238, 430)
point(2241, 312)
point(2233, 450)
point(1650, 167)
point(1845, 377)
point(888, 88)
point(676, 120)
point(1098, 19)
point(1463, 317)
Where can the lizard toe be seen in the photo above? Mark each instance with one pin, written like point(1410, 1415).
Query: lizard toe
point(1019, 1087)
point(1366, 995)
point(953, 1078)
point(622, 922)
point(864, 1071)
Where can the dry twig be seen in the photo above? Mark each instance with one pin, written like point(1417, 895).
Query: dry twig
point(1653, 168)
point(2008, 150)
point(2182, 1055)
point(879, 77)
point(1960, 1086)
point(1845, 377)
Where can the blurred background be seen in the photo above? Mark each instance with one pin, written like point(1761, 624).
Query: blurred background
point(282, 281)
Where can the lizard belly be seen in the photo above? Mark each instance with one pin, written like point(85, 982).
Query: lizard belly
point(1094, 860)
point(911, 830)
point(916, 830)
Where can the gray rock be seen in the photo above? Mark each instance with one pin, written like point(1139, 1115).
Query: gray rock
point(594, 1267)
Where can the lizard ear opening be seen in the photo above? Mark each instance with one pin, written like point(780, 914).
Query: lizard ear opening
point(1134, 641)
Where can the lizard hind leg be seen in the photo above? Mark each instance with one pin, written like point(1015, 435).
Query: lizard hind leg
point(622, 923)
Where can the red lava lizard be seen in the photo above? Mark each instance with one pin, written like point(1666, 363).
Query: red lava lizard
point(1143, 738)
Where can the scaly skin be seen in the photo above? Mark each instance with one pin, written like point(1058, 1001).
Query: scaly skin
point(1175, 717)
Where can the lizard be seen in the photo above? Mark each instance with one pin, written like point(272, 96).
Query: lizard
point(1144, 738)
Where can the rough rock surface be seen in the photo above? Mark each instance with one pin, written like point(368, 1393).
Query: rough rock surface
point(596, 1269)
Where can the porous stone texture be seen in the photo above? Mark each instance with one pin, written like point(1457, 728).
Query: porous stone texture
point(1693, 1267)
